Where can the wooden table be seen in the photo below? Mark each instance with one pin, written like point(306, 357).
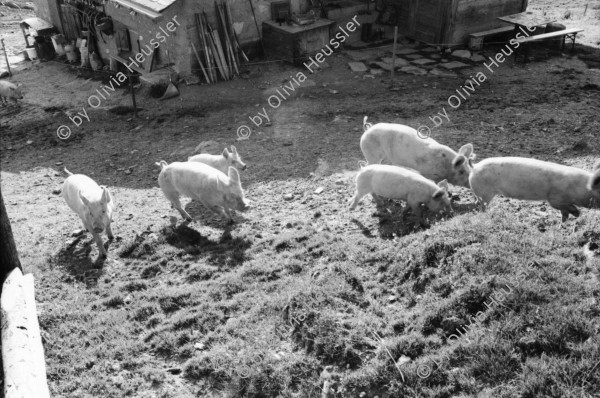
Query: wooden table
point(527, 19)
point(295, 43)
point(524, 22)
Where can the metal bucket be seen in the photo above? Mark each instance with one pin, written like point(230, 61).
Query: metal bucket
point(57, 41)
point(31, 53)
point(71, 55)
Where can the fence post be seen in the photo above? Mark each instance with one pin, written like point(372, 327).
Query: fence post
point(132, 96)
point(6, 57)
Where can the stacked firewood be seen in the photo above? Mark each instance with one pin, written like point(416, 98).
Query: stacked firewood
point(219, 55)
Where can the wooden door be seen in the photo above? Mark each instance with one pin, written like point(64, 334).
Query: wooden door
point(71, 22)
point(429, 20)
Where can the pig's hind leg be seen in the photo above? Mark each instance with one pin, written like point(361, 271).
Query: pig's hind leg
point(173, 197)
point(356, 198)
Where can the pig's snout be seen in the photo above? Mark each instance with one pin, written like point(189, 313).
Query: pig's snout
point(243, 205)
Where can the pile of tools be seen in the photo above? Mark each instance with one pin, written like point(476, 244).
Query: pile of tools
point(220, 48)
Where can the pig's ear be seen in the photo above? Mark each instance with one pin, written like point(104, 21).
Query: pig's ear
point(19, 85)
point(466, 150)
point(437, 195)
point(84, 199)
point(225, 153)
point(105, 194)
point(443, 184)
point(233, 174)
point(458, 161)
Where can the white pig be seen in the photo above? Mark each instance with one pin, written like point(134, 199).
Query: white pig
point(401, 146)
point(400, 183)
point(221, 162)
point(199, 181)
point(564, 187)
point(8, 91)
point(92, 203)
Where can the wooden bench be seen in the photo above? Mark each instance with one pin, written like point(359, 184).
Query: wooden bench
point(476, 39)
point(567, 33)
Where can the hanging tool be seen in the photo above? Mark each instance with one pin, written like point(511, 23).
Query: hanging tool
point(171, 90)
point(257, 29)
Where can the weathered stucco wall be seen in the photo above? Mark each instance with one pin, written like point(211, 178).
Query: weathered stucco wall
point(48, 11)
point(42, 10)
point(178, 44)
point(144, 33)
point(241, 15)
point(480, 15)
point(449, 22)
point(142, 28)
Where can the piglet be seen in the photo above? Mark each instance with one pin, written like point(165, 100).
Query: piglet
point(92, 203)
point(215, 190)
point(8, 91)
point(400, 183)
point(401, 146)
point(221, 162)
point(564, 187)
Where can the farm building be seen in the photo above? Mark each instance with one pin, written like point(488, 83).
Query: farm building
point(132, 24)
point(449, 23)
point(124, 28)
point(162, 32)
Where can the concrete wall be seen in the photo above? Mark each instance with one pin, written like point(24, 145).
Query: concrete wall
point(178, 43)
point(48, 11)
point(480, 15)
point(449, 22)
point(143, 28)
point(42, 10)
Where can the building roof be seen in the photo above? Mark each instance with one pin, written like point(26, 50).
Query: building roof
point(36, 23)
point(153, 5)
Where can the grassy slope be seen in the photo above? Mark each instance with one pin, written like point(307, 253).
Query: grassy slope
point(257, 313)
point(296, 286)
